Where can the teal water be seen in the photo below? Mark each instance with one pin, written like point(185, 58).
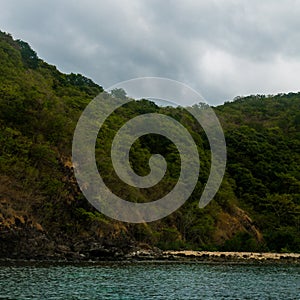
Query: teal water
point(149, 281)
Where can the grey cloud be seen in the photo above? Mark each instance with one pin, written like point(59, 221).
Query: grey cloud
point(220, 48)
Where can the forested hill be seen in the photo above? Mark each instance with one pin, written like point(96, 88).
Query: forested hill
point(44, 214)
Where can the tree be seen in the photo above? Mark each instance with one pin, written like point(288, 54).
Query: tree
point(29, 56)
point(119, 93)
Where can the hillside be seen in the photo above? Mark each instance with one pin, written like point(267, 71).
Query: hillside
point(43, 214)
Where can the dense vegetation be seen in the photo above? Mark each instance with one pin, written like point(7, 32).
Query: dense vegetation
point(256, 209)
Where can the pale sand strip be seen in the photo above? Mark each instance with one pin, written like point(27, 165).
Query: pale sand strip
point(238, 255)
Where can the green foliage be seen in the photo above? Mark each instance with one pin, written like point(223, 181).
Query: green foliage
point(243, 241)
point(39, 109)
point(284, 239)
point(29, 57)
point(118, 93)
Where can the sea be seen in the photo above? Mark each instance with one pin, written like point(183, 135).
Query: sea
point(149, 280)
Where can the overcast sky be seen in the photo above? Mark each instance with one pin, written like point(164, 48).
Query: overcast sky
point(221, 48)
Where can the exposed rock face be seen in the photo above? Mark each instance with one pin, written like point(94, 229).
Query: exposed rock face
point(29, 230)
point(24, 241)
point(29, 241)
point(21, 237)
point(233, 222)
point(247, 223)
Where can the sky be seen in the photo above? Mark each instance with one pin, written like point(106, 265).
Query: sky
point(220, 48)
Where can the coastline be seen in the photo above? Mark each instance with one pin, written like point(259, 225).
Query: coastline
point(159, 256)
point(250, 256)
point(216, 256)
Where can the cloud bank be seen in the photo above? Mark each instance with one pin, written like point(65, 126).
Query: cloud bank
point(220, 48)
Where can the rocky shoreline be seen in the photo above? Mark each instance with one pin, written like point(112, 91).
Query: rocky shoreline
point(30, 243)
point(215, 256)
point(157, 255)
